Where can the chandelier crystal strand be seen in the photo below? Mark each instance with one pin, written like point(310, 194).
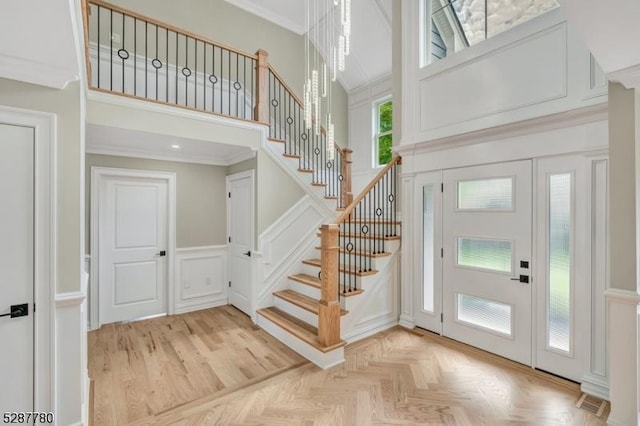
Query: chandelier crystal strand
point(324, 79)
point(341, 53)
point(334, 72)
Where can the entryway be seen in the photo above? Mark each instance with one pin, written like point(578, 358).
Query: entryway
point(133, 224)
point(481, 281)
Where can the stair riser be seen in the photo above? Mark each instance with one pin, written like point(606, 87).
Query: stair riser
point(307, 290)
point(296, 311)
point(322, 360)
point(313, 271)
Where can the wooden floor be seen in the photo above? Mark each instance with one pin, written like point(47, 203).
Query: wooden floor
point(396, 377)
point(144, 368)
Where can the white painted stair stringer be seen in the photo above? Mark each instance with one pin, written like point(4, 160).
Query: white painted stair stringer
point(275, 150)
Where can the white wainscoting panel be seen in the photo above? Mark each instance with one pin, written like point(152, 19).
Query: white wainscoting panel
point(201, 277)
point(377, 309)
point(70, 332)
point(285, 236)
point(476, 89)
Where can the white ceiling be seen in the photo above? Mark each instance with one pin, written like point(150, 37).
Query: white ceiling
point(370, 57)
point(132, 143)
point(38, 42)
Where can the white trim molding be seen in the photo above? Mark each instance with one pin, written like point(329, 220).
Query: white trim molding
point(201, 278)
point(590, 114)
point(622, 330)
point(628, 77)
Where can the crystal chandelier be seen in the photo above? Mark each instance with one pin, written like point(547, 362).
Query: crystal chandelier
point(322, 26)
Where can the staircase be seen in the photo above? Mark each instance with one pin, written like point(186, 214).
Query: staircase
point(337, 294)
point(366, 235)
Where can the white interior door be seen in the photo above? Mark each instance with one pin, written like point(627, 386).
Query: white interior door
point(487, 253)
point(133, 245)
point(240, 217)
point(16, 268)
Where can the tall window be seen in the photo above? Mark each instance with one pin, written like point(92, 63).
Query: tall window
point(452, 25)
point(383, 137)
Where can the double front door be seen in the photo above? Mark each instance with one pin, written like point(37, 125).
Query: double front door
point(477, 280)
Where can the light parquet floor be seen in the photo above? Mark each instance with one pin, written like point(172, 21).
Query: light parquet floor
point(398, 377)
point(144, 368)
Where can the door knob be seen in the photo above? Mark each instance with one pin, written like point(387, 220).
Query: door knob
point(18, 311)
point(247, 253)
point(161, 253)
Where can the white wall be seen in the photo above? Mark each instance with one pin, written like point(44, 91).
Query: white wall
point(361, 128)
point(536, 69)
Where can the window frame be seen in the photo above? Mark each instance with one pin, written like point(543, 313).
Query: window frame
point(425, 27)
point(376, 129)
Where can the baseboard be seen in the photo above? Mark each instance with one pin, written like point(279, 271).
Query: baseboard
point(596, 386)
point(200, 306)
point(407, 322)
point(86, 406)
point(370, 330)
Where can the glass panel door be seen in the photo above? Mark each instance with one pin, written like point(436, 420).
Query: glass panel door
point(487, 254)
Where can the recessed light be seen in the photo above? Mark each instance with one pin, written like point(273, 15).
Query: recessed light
point(175, 146)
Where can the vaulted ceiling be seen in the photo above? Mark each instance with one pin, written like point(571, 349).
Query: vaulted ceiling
point(370, 57)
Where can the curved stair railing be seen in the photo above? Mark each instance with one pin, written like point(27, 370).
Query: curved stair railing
point(358, 235)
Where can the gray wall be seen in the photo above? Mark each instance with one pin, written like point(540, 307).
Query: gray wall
point(222, 22)
point(66, 105)
point(201, 218)
point(276, 192)
point(622, 190)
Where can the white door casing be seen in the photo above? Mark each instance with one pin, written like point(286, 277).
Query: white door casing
point(36, 130)
point(484, 240)
point(16, 267)
point(240, 230)
point(133, 221)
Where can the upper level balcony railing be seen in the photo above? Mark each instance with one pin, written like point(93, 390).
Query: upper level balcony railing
point(132, 55)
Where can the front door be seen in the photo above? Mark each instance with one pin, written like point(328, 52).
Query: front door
point(240, 227)
point(16, 268)
point(133, 248)
point(487, 296)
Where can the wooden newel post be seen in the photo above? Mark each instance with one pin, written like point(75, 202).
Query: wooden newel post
point(329, 309)
point(345, 192)
point(261, 110)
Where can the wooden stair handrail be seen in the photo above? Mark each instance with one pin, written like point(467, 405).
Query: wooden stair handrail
point(165, 26)
point(297, 100)
point(345, 214)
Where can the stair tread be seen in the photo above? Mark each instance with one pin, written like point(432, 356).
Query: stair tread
point(363, 253)
point(305, 332)
point(305, 302)
point(289, 155)
point(277, 140)
point(305, 170)
point(318, 263)
point(322, 184)
point(306, 279)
